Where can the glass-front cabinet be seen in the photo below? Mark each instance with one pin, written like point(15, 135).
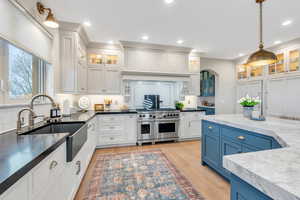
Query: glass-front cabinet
point(278, 67)
point(293, 64)
point(242, 72)
point(105, 57)
point(256, 72)
point(207, 84)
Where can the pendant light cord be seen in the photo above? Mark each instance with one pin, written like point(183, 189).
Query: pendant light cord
point(261, 44)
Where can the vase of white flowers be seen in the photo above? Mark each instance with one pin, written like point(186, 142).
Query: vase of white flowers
point(248, 104)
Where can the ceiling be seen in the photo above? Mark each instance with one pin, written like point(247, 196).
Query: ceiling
point(218, 28)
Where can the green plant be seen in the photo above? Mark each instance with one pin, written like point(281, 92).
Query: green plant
point(179, 105)
point(249, 101)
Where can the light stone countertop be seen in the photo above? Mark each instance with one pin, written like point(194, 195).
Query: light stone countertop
point(274, 172)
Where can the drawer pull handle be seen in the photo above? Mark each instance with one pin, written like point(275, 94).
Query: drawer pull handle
point(241, 137)
point(78, 163)
point(53, 164)
point(210, 127)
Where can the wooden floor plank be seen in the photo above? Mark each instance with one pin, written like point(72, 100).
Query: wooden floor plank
point(186, 157)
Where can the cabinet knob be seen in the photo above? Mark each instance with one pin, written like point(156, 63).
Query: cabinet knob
point(241, 137)
point(53, 164)
point(210, 127)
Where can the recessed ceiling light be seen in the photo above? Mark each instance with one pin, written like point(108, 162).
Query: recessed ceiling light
point(110, 42)
point(241, 54)
point(287, 22)
point(277, 42)
point(87, 23)
point(169, 1)
point(145, 37)
point(180, 41)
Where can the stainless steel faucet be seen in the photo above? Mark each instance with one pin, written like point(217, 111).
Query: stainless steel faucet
point(31, 116)
point(20, 122)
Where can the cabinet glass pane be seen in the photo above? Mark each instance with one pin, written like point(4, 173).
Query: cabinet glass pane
point(256, 71)
point(242, 71)
point(96, 59)
point(111, 59)
point(279, 66)
point(294, 60)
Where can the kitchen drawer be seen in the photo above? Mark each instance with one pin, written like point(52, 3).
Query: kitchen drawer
point(111, 126)
point(210, 128)
point(110, 139)
point(48, 171)
point(247, 138)
point(111, 118)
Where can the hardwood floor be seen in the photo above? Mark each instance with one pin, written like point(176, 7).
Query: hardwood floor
point(186, 157)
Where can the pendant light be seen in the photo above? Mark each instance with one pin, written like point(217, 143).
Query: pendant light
point(50, 21)
point(261, 57)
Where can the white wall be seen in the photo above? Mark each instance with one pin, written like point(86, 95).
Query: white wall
point(225, 83)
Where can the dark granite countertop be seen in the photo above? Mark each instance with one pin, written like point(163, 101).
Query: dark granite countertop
point(193, 110)
point(86, 116)
point(20, 153)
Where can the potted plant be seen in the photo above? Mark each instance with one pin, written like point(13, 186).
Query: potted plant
point(248, 104)
point(179, 105)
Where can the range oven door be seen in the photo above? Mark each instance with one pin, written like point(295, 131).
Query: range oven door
point(166, 129)
point(145, 130)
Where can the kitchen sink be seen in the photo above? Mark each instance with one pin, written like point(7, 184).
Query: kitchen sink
point(75, 140)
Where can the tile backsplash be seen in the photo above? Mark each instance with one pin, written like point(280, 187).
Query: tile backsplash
point(8, 115)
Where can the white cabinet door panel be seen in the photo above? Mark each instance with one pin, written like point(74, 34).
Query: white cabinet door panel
point(112, 81)
point(276, 97)
point(95, 81)
point(292, 97)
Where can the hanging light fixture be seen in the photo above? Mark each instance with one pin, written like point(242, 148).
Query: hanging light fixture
point(50, 21)
point(261, 57)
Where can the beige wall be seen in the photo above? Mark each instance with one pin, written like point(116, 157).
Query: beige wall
point(225, 83)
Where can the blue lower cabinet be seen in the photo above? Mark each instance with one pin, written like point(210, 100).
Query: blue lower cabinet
point(240, 190)
point(211, 144)
point(220, 140)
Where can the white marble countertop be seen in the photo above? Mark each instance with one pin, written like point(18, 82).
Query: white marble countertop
point(274, 172)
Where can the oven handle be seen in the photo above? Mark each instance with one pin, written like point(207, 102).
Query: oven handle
point(145, 121)
point(166, 120)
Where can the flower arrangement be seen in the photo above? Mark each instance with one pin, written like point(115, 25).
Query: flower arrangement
point(249, 101)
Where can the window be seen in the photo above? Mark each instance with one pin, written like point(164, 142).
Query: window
point(22, 75)
point(19, 73)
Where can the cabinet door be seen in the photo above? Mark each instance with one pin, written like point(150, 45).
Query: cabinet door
point(96, 82)
point(276, 97)
point(228, 147)
point(19, 190)
point(131, 128)
point(112, 81)
point(211, 144)
point(68, 61)
point(195, 127)
point(292, 97)
point(82, 78)
point(248, 148)
point(195, 85)
point(211, 150)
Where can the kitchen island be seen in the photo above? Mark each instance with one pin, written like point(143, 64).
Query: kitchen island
point(275, 173)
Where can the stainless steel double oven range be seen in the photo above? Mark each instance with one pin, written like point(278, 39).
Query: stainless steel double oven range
point(157, 125)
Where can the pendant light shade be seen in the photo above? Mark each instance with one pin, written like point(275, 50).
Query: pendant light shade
point(261, 57)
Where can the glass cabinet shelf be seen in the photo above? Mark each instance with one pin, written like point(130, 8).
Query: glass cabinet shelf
point(242, 72)
point(294, 60)
point(278, 67)
point(103, 59)
point(256, 71)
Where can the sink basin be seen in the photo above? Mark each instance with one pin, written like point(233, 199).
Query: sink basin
point(56, 128)
point(75, 140)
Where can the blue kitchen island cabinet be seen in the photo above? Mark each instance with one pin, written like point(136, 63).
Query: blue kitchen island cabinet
point(208, 110)
point(221, 140)
point(240, 190)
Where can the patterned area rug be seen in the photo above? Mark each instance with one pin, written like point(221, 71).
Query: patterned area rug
point(145, 175)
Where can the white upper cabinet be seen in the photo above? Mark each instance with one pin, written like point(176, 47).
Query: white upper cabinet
point(104, 80)
point(73, 63)
point(150, 60)
point(195, 85)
